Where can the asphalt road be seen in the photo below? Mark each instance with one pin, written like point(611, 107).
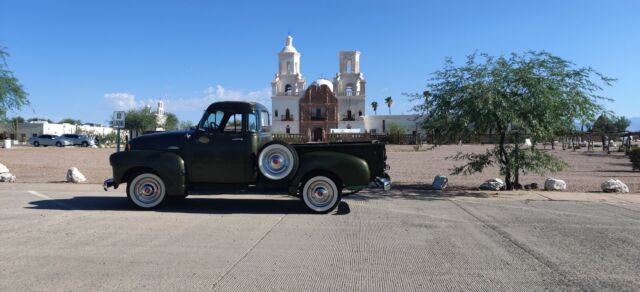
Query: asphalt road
point(67, 237)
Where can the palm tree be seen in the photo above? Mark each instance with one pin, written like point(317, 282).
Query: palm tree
point(389, 102)
point(374, 105)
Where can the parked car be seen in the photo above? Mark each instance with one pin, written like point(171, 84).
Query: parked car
point(81, 140)
point(232, 150)
point(50, 140)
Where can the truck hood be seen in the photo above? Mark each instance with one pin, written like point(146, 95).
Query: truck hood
point(160, 141)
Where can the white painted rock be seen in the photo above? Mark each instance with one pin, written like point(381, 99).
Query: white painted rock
point(440, 182)
point(3, 169)
point(552, 184)
point(7, 177)
point(492, 185)
point(614, 186)
point(75, 176)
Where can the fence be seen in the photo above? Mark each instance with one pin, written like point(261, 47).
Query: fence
point(408, 139)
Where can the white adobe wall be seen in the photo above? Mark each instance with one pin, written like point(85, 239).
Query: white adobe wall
point(409, 122)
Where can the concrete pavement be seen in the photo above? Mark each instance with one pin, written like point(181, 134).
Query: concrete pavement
point(77, 237)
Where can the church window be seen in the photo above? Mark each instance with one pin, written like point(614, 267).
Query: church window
point(349, 117)
point(349, 66)
point(288, 89)
point(348, 91)
point(276, 113)
point(318, 113)
point(359, 113)
point(287, 115)
point(288, 129)
point(289, 67)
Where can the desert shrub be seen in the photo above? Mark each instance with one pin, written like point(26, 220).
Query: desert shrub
point(634, 156)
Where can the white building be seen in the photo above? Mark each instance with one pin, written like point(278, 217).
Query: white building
point(342, 108)
point(33, 129)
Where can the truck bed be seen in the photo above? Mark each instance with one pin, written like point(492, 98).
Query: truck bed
point(373, 152)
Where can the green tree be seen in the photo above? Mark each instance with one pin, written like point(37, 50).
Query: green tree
point(12, 94)
point(171, 122)
point(533, 95)
point(622, 123)
point(394, 133)
point(36, 119)
point(389, 101)
point(185, 125)
point(374, 106)
point(140, 120)
point(70, 121)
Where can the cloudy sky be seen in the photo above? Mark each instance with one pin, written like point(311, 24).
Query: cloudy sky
point(85, 59)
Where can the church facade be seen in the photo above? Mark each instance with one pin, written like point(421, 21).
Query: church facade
point(325, 105)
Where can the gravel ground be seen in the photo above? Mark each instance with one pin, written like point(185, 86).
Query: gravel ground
point(586, 172)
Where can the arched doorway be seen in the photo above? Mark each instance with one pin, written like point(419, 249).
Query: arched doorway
point(317, 134)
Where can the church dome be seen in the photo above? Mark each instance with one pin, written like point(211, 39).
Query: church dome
point(323, 81)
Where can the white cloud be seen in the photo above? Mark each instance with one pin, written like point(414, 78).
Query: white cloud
point(218, 93)
point(121, 101)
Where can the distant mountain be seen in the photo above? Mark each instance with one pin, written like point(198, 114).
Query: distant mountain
point(635, 124)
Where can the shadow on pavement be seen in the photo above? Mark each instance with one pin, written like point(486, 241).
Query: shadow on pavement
point(209, 205)
point(422, 192)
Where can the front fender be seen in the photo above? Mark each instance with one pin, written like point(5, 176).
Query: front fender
point(169, 166)
point(352, 171)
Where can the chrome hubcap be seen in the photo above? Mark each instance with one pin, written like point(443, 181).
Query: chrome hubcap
point(148, 190)
point(321, 194)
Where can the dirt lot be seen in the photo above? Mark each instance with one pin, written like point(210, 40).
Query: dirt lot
point(587, 169)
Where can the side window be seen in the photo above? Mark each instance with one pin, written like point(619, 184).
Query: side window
point(212, 122)
point(234, 124)
point(253, 122)
point(264, 119)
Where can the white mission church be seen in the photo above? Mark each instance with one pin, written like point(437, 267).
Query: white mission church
point(326, 106)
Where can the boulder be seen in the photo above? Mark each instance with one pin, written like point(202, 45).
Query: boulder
point(3, 169)
point(614, 186)
point(7, 177)
point(552, 184)
point(492, 185)
point(532, 186)
point(75, 176)
point(440, 182)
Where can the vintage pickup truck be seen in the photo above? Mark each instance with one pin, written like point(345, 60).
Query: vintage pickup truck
point(232, 150)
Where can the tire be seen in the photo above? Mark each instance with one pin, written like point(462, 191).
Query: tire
point(85, 144)
point(278, 161)
point(146, 191)
point(321, 194)
point(36, 144)
point(58, 144)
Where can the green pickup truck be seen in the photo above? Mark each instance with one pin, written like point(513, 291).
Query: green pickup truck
point(232, 150)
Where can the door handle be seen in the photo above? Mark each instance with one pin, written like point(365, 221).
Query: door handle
point(237, 139)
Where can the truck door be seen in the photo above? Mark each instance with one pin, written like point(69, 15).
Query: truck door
point(219, 151)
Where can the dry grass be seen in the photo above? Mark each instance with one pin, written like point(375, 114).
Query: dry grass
point(586, 172)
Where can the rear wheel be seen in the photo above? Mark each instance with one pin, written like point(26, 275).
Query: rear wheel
point(321, 194)
point(36, 144)
point(58, 144)
point(85, 144)
point(146, 191)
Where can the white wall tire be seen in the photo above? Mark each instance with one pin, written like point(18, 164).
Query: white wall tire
point(146, 191)
point(320, 194)
point(277, 161)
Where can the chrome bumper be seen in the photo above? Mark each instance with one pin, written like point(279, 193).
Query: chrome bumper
point(383, 182)
point(107, 184)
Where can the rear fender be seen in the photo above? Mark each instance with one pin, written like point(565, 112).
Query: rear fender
point(169, 166)
point(353, 172)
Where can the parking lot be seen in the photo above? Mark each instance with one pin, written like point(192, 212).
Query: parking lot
point(77, 237)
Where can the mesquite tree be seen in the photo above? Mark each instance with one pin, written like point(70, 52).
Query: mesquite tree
point(533, 95)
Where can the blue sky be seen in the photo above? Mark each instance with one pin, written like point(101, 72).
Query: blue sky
point(84, 59)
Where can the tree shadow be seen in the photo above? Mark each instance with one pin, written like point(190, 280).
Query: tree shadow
point(420, 192)
point(194, 205)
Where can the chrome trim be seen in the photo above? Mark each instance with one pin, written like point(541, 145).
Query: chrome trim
point(383, 182)
point(174, 148)
point(107, 184)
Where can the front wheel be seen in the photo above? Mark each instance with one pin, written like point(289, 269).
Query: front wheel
point(146, 191)
point(321, 194)
point(85, 144)
point(58, 144)
point(36, 144)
